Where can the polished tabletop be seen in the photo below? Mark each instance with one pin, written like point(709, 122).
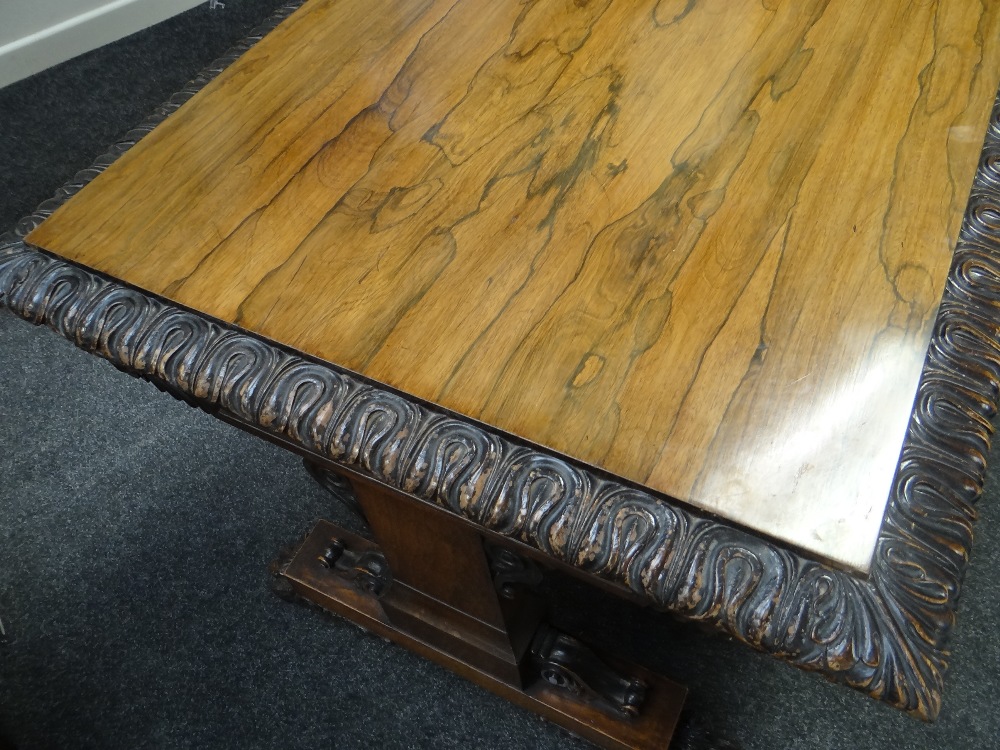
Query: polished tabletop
point(697, 244)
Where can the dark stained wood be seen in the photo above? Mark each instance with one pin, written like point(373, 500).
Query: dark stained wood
point(652, 728)
point(427, 548)
point(442, 589)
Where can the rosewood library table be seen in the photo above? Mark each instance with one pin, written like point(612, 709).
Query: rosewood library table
point(687, 298)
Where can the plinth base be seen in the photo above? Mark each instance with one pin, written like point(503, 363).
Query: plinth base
point(347, 575)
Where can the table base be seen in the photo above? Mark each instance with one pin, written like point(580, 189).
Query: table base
point(436, 587)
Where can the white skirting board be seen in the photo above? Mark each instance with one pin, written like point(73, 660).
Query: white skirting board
point(79, 33)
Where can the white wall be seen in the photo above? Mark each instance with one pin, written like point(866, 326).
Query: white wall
point(37, 34)
point(21, 18)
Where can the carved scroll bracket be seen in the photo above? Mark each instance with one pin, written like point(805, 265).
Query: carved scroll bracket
point(567, 663)
point(511, 571)
point(368, 570)
point(339, 487)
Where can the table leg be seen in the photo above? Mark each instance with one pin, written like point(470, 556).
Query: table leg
point(430, 583)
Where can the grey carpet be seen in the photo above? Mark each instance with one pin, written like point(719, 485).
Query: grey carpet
point(135, 535)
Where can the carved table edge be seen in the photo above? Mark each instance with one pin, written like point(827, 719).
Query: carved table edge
point(885, 635)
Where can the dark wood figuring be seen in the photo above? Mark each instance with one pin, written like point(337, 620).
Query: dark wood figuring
point(440, 600)
point(885, 634)
point(698, 246)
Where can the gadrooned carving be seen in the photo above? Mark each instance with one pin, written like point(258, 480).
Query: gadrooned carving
point(885, 635)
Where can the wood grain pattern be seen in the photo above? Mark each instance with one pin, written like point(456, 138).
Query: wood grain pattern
point(886, 634)
point(699, 245)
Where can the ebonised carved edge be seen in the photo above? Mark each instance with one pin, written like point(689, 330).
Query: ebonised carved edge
point(885, 635)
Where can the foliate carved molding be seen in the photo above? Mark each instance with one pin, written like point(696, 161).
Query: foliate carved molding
point(885, 635)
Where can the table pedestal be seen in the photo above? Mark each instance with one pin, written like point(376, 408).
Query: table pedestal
point(432, 584)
